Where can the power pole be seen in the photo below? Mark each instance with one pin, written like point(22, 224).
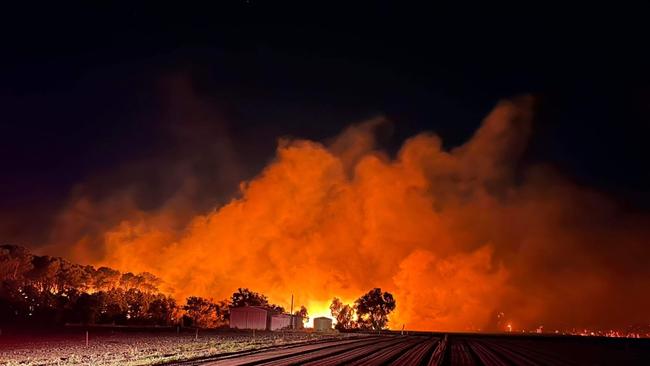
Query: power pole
point(292, 317)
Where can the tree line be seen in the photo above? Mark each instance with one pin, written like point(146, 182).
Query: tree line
point(47, 291)
point(42, 291)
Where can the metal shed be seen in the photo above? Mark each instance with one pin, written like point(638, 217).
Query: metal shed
point(322, 324)
point(280, 321)
point(249, 317)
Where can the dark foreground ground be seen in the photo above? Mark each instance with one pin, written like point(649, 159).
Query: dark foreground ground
point(445, 349)
point(186, 348)
point(134, 347)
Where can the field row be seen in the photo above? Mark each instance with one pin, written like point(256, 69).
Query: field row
point(439, 350)
point(238, 349)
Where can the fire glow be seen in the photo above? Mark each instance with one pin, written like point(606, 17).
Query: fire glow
point(456, 235)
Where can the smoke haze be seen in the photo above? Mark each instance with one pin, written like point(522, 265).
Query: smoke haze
point(456, 235)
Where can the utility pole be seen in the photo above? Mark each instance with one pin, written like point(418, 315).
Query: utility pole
point(293, 320)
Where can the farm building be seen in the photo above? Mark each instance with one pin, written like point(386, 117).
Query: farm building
point(280, 321)
point(322, 324)
point(261, 318)
point(250, 317)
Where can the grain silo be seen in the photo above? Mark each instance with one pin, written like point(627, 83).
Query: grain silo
point(322, 324)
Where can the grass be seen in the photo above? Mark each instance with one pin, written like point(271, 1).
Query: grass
point(135, 348)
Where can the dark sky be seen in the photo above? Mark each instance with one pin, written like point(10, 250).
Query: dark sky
point(87, 90)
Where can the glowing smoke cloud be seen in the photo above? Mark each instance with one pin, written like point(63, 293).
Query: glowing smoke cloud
point(455, 235)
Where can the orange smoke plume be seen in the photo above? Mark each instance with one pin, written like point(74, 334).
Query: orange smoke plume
point(457, 236)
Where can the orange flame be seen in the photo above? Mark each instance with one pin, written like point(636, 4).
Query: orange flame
point(455, 235)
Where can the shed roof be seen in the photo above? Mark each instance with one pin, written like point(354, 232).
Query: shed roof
point(255, 308)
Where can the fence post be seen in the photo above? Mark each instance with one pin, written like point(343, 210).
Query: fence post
point(196, 335)
point(86, 338)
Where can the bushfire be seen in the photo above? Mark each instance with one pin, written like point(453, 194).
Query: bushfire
point(457, 235)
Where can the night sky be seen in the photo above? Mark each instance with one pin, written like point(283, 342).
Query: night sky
point(110, 96)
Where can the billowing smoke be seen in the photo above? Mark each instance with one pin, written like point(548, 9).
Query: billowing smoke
point(457, 236)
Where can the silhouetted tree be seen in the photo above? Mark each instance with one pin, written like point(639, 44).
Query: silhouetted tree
point(246, 297)
point(105, 279)
point(87, 308)
point(302, 313)
point(137, 303)
point(223, 310)
point(114, 306)
point(202, 311)
point(373, 309)
point(71, 277)
point(343, 313)
point(15, 261)
point(43, 273)
point(276, 308)
point(145, 282)
point(163, 310)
